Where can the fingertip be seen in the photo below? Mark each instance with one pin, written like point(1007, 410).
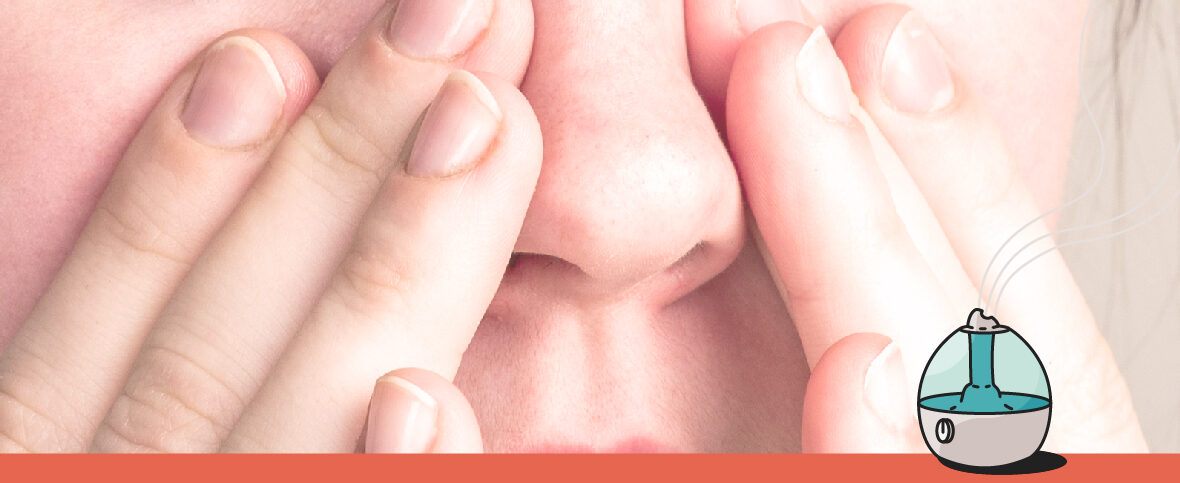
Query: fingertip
point(239, 93)
point(855, 400)
point(861, 41)
point(766, 60)
point(894, 60)
point(296, 70)
point(509, 100)
point(507, 44)
point(765, 96)
point(519, 140)
point(418, 411)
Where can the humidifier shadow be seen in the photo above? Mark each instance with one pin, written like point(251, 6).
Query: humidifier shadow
point(1040, 461)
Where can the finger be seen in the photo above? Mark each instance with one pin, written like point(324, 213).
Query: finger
point(259, 277)
point(417, 411)
point(715, 28)
point(957, 156)
point(194, 156)
point(952, 149)
point(845, 259)
point(425, 265)
point(857, 401)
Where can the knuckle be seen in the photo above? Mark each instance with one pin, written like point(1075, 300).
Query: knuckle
point(134, 224)
point(335, 145)
point(174, 404)
point(371, 285)
point(24, 429)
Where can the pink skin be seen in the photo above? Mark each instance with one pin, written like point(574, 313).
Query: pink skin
point(638, 315)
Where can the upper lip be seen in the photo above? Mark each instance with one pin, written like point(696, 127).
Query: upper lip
point(638, 444)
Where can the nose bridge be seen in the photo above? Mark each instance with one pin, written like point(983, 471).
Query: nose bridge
point(634, 176)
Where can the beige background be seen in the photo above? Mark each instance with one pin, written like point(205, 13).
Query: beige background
point(1131, 74)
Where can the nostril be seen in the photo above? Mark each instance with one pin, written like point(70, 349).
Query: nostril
point(682, 269)
point(692, 270)
point(520, 262)
point(537, 274)
point(699, 265)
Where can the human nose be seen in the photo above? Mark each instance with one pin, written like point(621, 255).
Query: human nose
point(635, 181)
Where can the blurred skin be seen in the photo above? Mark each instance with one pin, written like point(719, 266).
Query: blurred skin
point(638, 314)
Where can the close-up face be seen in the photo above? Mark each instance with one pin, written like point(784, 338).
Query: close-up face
point(637, 312)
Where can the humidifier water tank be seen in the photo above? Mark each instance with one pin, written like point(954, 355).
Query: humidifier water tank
point(984, 396)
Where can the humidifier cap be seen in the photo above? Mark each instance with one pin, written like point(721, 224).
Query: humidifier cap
point(979, 323)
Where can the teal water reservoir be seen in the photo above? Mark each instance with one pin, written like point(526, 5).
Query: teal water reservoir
point(984, 399)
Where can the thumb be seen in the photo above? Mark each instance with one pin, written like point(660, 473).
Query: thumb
point(857, 401)
point(418, 411)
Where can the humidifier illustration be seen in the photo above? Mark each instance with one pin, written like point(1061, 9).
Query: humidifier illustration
point(984, 397)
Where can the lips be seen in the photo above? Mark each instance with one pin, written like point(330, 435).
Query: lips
point(630, 445)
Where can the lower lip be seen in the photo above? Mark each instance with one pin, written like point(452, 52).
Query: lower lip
point(633, 445)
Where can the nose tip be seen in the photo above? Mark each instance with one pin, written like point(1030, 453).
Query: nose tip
point(621, 216)
point(635, 180)
point(625, 194)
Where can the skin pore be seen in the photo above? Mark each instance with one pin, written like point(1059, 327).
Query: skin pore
point(637, 313)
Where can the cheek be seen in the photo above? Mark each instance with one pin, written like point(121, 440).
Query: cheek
point(74, 95)
point(72, 112)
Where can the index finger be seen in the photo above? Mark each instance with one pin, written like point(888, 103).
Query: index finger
point(845, 257)
point(427, 260)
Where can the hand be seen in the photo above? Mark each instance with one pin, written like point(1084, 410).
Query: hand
point(880, 221)
point(267, 247)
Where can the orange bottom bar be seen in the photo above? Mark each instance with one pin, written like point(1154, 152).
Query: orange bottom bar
point(596, 468)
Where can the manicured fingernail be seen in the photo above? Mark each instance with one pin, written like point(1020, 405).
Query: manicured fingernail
point(402, 418)
point(457, 129)
point(438, 29)
point(753, 14)
point(822, 79)
point(885, 388)
point(237, 95)
point(914, 69)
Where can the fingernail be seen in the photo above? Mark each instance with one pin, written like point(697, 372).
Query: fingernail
point(457, 129)
point(914, 69)
point(885, 388)
point(438, 29)
point(754, 14)
point(822, 79)
point(237, 95)
point(402, 418)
